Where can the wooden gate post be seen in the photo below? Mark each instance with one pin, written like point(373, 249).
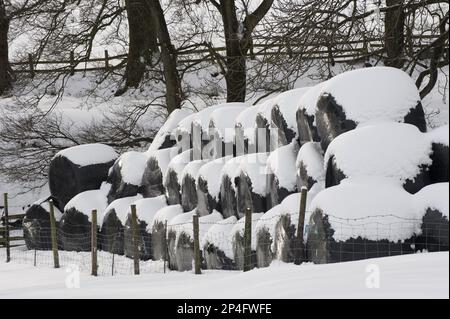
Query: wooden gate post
point(300, 249)
point(135, 239)
point(248, 240)
point(197, 259)
point(94, 243)
point(53, 235)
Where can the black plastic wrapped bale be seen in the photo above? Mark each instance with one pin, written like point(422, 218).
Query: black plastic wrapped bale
point(264, 141)
point(432, 203)
point(360, 220)
point(189, 184)
point(237, 241)
point(155, 171)
point(77, 169)
point(245, 131)
point(159, 231)
point(36, 225)
point(125, 176)
point(75, 225)
point(310, 166)
point(217, 246)
point(113, 225)
point(439, 170)
point(305, 116)
point(284, 115)
point(380, 93)
point(395, 150)
point(172, 182)
point(222, 130)
point(208, 186)
point(146, 210)
point(280, 180)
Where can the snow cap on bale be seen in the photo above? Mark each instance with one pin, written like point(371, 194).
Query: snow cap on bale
point(178, 163)
point(393, 150)
point(264, 114)
point(310, 165)
point(246, 120)
point(440, 135)
point(287, 102)
point(121, 207)
point(189, 184)
point(209, 173)
point(219, 236)
point(223, 120)
point(87, 201)
point(78, 169)
point(281, 163)
point(434, 197)
point(306, 115)
point(147, 208)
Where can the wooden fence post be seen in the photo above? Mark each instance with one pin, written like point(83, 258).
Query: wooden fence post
point(7, 244)
point(72, 63)
point(106, 60)
point(135, 239)
point(166, 249)
point(248, 240)
point(94, 243)
point(53, 234)
point(197, 259)
point(300, 249)
point(31, 65)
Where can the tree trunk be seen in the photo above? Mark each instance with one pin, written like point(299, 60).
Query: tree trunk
point(236, 49)
point(168, 56)
point(394, 34)
point(142, 41)
point(5, 69)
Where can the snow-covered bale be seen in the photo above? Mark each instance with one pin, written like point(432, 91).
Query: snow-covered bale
point(172, 179)
point(222, 130)
point(189, 178)
point(237, 241)
point(181, 238)
point(167, 134)
point(306, 112)
point(159, 231)
point(263, 124)
point(284, 115)
point(392, 150)
point(361, 219)
point(439, 170)
point(281, 182)
point(310, 165)
point(217, 247)
point(155, 170)
point(432, 205)
point(111, 233)
point(75, 225)
point(245, 133)
point(243, 185)
point(78, 169)
point(365, 95)
point(125, 176)
point(146, 210)
point(36, 225)
point(208, 186)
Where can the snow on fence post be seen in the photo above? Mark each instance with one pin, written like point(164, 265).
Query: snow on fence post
point(197, 259)
point(53, 234)
point(300, 245)
point(248, 240)
point(6, 230)
point(135, 239)
point(94, 243)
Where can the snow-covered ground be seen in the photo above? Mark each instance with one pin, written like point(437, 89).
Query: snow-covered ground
point(409, 276)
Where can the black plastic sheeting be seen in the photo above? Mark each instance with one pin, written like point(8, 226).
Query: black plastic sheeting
point(173, 188)
point(144, 240)
point(112, 233)
point(307, 131)
point(275, 193)
point(75, 231)
point(188, 193)
point(246, 198)
point(119, 188)
point(152, 180)
point(206, 203)
point(285, 134)
point(36, 228)
point(439, 170)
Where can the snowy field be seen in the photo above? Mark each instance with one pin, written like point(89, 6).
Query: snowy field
point(409, 276)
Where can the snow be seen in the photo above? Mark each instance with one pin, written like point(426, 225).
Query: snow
point(265, 109)
point(287, 102)
point(434, 196)
point(373, 208)
point(219, 234)
point(164, 157)
point(86, 201)
point(192, 169)
point(209, 172)
point(381, 93)
point(178, 163)
point(147, 208)
point(403, 149)
point(46, 205)
point(409, 276)
point(308, 101)
point(252, 165)
point(281, 163)
point(311, 156)
point(132, 165)
point(121, 207)
point(168, 128)
point(440, 135)
point(223, 120)
point(89, 154)
point(247, 121)
point(166, 214)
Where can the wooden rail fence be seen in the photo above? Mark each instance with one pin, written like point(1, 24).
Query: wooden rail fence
point(6, 227)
